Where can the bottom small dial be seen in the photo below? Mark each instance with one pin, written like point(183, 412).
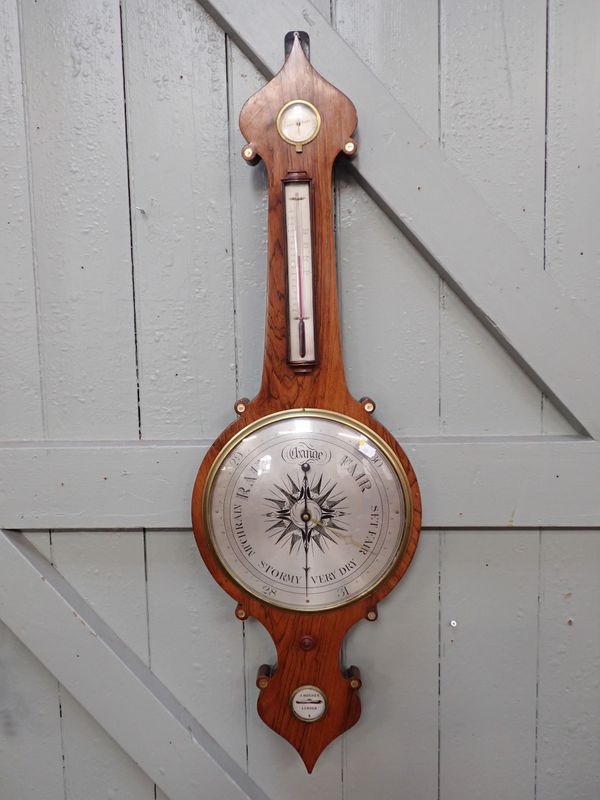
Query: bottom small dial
point(308, 703)
point(307, 510)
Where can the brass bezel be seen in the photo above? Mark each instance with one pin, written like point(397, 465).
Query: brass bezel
point(316, 689)
point(312, 107)
point(334, 416)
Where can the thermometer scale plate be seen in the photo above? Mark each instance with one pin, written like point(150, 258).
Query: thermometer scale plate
point(301, 316)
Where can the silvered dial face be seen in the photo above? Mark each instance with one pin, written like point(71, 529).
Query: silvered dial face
point(298, 122)
point(307, 511)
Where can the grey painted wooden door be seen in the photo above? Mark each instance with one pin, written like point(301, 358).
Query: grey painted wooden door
point(133, 241)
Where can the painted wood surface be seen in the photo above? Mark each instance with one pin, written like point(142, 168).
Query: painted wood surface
point(177, 123)
point(112, 682)
point(492, 126)
point(29, 724)
point(377, 330)
point(107, 569)
point(488, 662)
point(98, 123)
point(523, 482)
point(29, 738)
point(20, 409)
point(79, 198)
point(573, 186)
point(568, 760)
point(502, 299)
point(81, 240)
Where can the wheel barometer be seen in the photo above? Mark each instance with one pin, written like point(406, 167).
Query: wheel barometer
point(305, 509)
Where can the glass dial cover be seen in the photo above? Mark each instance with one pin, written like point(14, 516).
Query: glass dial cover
point(298, 122)
point(307, 510)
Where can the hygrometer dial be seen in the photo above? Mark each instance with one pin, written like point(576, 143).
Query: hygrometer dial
point(298, 122)
point(307, 510)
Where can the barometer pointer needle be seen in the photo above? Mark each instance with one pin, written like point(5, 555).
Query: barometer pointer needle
point(306, 518)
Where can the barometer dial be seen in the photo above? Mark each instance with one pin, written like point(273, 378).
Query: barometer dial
point(307, 510)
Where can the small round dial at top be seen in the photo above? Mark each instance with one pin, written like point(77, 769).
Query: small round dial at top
point(298, 122)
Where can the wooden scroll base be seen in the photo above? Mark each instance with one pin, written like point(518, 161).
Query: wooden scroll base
point(308, 644)
point(308, 653)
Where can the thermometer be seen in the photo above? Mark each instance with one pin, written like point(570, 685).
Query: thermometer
point(300, 302)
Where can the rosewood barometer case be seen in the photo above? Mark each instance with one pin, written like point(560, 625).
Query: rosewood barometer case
point(305, 509)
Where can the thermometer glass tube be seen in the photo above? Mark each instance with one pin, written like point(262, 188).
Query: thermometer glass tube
point(301, 320)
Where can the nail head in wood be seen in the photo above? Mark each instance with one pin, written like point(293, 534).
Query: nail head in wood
point(241, 612)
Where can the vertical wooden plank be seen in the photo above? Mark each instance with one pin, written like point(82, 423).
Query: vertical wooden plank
point(389, 294)
point(177, 124)
point(95, 766)
point(489, 598)
point(395, 742)
point(249, 228)
point(493, 128)
point(195, 639)
point(20, 399)
point(74, 91)
point(569, 687)
point(75, 135)
point(573, 149)
point(107, 569)
point(572, 240)
point(30, 742)
point(31, 761)
point(389, 299)
point(177, 110)
point(75, 107)
point(568, 763)
point(492, 113)
point(390, 303)
point(399, 43)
